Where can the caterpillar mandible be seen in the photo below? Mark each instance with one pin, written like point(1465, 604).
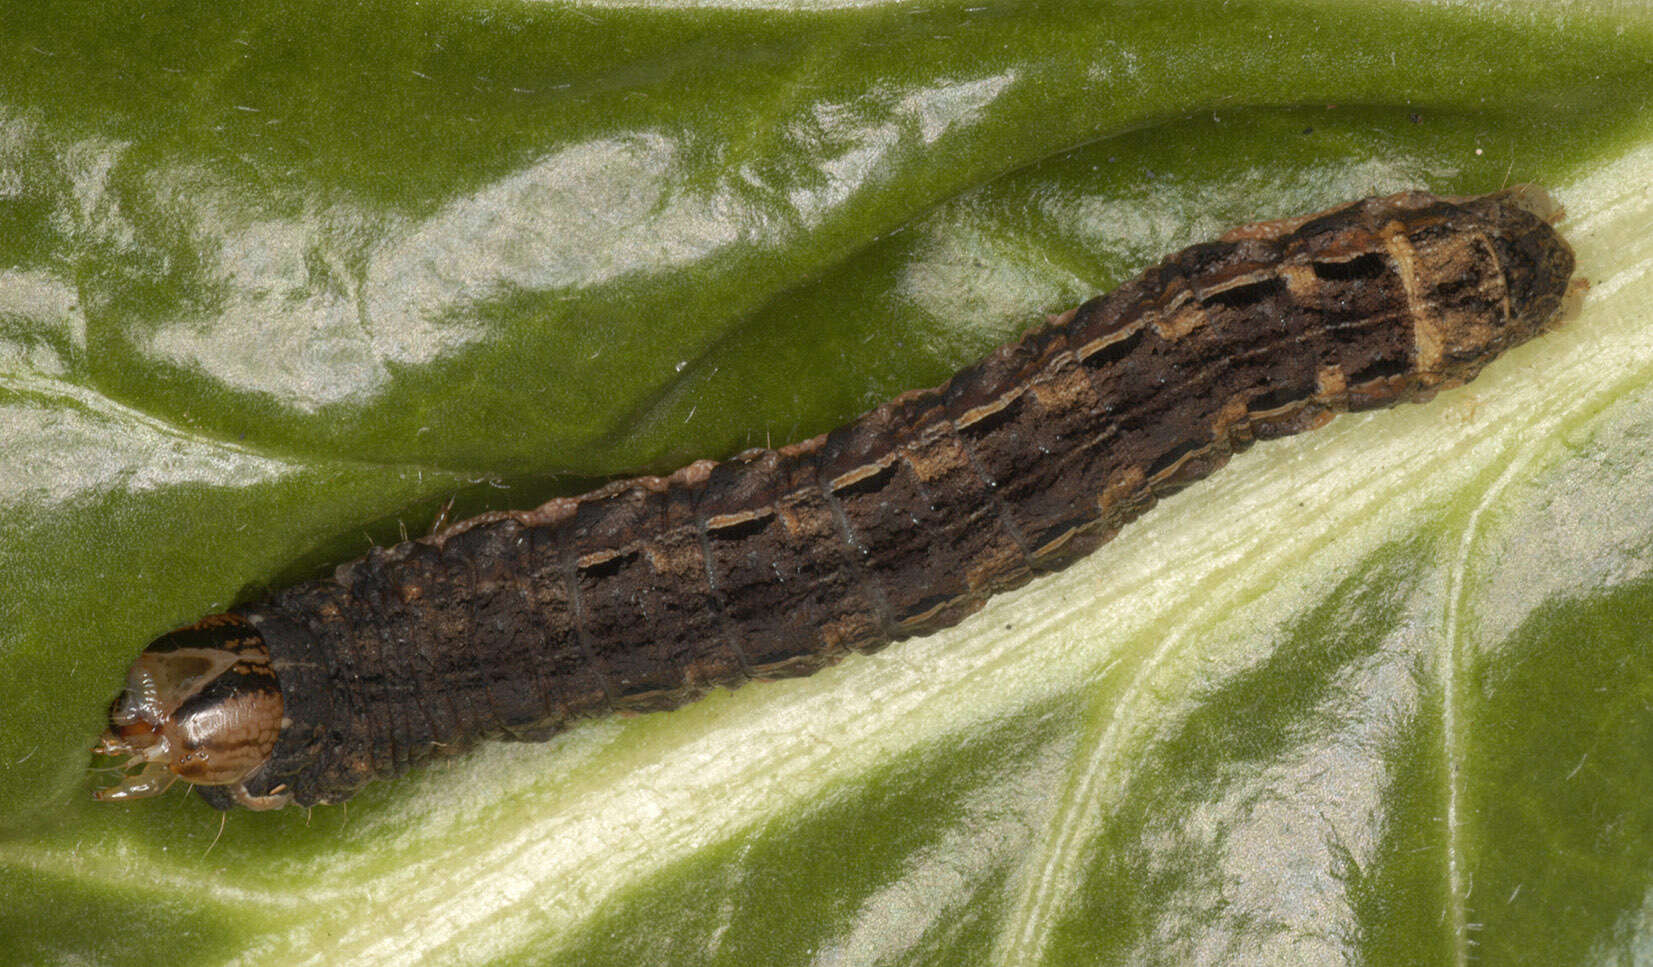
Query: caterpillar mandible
point(647, 592)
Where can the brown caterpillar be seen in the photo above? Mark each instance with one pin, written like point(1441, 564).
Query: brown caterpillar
point(645, 593)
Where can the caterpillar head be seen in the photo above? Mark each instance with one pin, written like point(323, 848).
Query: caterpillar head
point(201, 704)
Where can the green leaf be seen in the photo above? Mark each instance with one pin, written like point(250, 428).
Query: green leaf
point(277, 280)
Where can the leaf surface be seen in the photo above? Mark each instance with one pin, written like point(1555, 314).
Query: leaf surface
point(277, 282)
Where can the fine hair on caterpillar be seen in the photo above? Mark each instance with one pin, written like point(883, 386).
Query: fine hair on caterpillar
point(647, 592)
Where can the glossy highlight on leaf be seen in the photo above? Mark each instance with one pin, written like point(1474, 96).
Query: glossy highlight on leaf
point(278, 280)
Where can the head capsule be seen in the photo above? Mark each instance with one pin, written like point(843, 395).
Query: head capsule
point(202, 704)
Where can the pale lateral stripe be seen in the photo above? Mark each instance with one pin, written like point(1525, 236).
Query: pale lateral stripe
point(1426, 333)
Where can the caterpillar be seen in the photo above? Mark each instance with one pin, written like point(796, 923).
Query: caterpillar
point(645, 593)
